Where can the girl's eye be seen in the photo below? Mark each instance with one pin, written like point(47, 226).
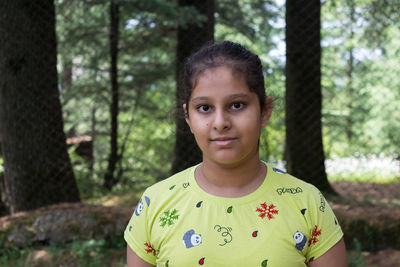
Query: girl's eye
point(204, 108)
point(237, 105)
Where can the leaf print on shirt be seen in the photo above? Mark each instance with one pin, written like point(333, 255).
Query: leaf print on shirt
point(267, 211)
point(229, 210)
point(313, 238)
point(201, 261)
point(254, 234)
point(149, 249)
point(169, 218)
point(278, 171)
point(264, 263)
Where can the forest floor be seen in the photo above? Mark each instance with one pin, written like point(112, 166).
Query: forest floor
point(376, 193)
point(378, 203)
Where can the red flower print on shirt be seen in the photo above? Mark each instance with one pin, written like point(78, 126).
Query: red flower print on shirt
point(267, 211)
point(150, 249)
point(313, 239)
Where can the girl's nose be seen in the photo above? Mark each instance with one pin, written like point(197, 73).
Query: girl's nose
point(221, 121)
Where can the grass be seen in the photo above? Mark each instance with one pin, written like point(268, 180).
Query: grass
point(79, 253)
point(355, 257)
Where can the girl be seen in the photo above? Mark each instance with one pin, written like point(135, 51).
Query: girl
point(232, 209)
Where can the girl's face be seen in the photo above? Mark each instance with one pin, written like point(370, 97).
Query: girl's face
point(225, 117)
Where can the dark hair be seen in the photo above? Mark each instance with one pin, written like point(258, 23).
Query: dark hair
point(228, 54)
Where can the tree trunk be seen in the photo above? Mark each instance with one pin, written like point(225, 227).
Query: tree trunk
point(190, 38)
point(349, 73)
point(109, 179)
point(3, 200)
point(304, 149)
point(37, 167)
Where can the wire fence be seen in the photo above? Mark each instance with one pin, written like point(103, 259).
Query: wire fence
point(332, 82)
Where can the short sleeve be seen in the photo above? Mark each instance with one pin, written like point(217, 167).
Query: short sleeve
point(324, 228)
point(137, 232)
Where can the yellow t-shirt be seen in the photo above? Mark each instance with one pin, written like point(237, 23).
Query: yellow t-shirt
point(285, 222)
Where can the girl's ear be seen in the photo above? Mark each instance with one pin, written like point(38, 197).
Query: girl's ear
point(186, 112)
point(267, 111)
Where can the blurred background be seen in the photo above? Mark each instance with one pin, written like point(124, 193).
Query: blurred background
point(89, 108)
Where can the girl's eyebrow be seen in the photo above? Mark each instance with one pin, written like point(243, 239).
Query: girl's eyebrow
point(199, 99)
point(230, 97)
point(234, 96)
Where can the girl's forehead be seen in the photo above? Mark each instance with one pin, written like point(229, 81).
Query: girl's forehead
point(218, 75)
point(223, 69)
point(221, 84)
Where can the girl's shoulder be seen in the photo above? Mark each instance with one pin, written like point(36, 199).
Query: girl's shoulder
point(279, 176)
point(286, 184)
point(181, 179)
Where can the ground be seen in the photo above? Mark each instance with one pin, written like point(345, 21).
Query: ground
point(371, 192)
point(376, 203)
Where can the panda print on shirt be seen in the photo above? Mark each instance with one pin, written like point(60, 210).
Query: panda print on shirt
point(300, 239)
point(140, 205)
point(191, 239)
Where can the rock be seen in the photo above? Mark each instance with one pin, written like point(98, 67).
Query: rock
point(39, 258)
point(63, 223)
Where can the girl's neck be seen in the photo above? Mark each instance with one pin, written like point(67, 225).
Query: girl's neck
point(230, 181)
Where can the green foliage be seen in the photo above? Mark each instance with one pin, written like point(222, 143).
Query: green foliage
point(1, 165)
point(12, 254)
point(146, 85)
point(359, 78)
point(356, 259)
point(103, 252)
point(146, 77)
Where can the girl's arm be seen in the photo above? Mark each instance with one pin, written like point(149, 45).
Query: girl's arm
point(133, 260)
point(334, 257)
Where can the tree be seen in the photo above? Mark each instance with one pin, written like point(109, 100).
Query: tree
point(191, 37)
point(109, 178)
point(304, 150)
point(357, 35)
point(146, 60)
point(37, 168)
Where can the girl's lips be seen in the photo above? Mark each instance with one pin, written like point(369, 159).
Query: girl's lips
point(223, 141)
